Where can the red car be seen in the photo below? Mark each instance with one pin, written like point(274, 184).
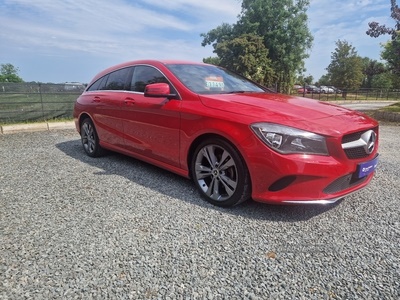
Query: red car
point(236, 139)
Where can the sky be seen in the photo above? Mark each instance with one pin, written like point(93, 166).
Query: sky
point(61, 41)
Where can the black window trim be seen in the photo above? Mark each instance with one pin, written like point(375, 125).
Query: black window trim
point(178, 96)
point(129, 81)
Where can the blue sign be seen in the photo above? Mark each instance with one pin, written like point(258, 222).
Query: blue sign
point(366, 168)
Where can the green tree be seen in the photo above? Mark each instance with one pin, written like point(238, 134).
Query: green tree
point(9, 73)
point(382, 81)
point(391, 53)
point(346, 67)
point(391, 50)
point(283, 27)
point(212, 60)
point(248, 56)
point(301, 79)
point(222, 33)
point(324, 80)
point(371, 68)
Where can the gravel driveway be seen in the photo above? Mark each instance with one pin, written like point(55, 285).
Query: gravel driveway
point(77, 227)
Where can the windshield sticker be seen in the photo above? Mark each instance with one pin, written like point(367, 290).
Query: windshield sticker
point(215, 82)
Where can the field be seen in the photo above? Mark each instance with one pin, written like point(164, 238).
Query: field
point(27, 103)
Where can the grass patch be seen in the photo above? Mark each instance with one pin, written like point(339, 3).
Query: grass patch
point(54, 120)
point(27, 108)
point(392, 108)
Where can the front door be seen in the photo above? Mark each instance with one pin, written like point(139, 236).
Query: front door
point(151, 125)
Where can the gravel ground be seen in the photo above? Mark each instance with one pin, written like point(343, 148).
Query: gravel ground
point(74, 227)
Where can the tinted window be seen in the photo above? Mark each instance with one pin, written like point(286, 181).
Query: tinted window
point(117, 80)
point(144, 75)
point(99, 84)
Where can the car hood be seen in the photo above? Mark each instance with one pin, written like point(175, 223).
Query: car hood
point(304, 113)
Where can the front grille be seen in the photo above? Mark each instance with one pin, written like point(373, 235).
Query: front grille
point(352, 137)
point(344, 183)
point(356, 152)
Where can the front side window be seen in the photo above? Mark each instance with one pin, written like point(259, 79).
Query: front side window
point(144, 75)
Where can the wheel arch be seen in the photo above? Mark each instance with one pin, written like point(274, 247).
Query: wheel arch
point(241, 192)
point(204, 137)
point(82, 117)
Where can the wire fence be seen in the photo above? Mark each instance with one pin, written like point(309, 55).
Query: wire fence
point(26, 102)
point(355, 95)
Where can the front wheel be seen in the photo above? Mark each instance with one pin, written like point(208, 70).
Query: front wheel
point(90, 139)
point(220, 173)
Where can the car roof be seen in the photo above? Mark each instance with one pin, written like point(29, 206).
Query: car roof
point(144, 62)
point(154, 62)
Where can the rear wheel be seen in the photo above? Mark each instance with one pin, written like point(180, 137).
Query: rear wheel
point(220, 173)
point(90, 139)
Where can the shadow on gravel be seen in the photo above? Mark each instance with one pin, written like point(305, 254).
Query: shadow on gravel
point(175, 186)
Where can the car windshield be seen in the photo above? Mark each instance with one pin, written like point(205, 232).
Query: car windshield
point(209, 79)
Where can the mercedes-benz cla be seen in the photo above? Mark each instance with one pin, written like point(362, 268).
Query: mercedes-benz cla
point(236, 139)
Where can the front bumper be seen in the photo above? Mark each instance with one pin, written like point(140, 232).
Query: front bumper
point(304, 179)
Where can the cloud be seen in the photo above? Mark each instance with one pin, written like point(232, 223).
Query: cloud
point(228, 8)
point(88, 26)
point(106, 27)
point(344, 20)
point(95, 15)
point(99, 32)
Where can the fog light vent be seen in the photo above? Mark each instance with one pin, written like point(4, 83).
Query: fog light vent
point(282, 183)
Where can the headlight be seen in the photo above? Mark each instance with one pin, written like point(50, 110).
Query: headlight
point(289, 140)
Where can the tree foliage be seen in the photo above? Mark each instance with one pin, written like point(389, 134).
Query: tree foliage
point(346, 67)
point(371, 69)
point(324, 80)
point(248, 56)
point(9, 73)
point(391, 50)
point(391, 53)
point(376, 30)
point(382, 81)
point(301, 79)
point(282, 28)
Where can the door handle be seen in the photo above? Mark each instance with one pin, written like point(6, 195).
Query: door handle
point(129, 101)
point(96, 99)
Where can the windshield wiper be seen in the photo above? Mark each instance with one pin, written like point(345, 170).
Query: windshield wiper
point(239, 92)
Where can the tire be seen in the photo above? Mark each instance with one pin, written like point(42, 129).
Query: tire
point(220, 173)
point(90, 139)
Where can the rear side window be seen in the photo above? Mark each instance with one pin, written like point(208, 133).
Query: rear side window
point(144, 75)
point(118, 80)
point(99, 84)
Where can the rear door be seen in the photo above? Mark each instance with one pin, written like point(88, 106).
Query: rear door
point(108, 97)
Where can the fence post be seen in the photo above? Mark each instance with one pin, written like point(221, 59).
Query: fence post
point(41, 100)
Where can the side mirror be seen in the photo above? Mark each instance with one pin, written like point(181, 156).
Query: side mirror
point(158, 90)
